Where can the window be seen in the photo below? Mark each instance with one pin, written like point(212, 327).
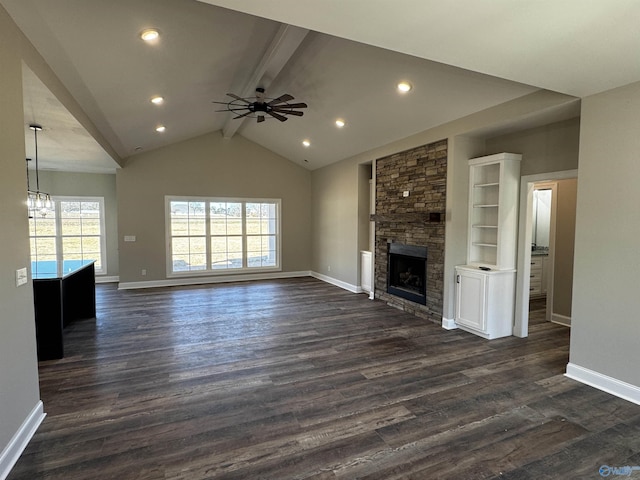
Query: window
point(71, 230)
point(218, 235)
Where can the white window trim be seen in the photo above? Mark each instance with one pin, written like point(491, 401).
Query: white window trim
point(217, 272)
point(103, 236)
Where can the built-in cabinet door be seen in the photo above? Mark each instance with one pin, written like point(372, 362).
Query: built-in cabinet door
point(471, 299)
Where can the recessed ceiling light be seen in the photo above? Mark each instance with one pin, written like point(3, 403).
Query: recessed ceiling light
point(306, 143)
point(339, 123)
point(404, 87)
point(157, 100)
point(149, 35)
point(160, 128)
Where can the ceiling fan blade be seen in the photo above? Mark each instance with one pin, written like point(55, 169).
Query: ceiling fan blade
point(260, 118)
point(233, 95)
point(282, 118)
point(291, 112)
point(290, 105)
point(243, 115)
point(281, 99)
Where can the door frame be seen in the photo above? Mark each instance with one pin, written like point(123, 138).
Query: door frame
point(525, 221)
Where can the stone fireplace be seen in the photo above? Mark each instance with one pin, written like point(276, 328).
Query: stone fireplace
point(409, 219)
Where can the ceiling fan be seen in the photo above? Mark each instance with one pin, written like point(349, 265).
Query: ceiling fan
point(277, 107)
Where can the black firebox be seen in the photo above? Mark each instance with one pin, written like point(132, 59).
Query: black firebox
point(407, 272)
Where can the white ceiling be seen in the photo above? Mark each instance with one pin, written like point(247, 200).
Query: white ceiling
point(337, 68)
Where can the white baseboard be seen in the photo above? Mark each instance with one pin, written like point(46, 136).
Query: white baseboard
point(176, 282)
point(603, 382)
point(337, 283)
point(561, 319)
point(449, 324)
point(20, 440)
point(107, 279)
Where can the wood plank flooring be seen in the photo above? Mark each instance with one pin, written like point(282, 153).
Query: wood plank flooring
point(298, 379)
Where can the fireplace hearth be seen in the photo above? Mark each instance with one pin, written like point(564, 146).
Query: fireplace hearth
point(407, 272)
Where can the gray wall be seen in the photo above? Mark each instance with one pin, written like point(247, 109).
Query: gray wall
point(546, 149)
point(90, 185)
point(19, 392)
point(207, 166)
point(605, 327)
point(550, 148)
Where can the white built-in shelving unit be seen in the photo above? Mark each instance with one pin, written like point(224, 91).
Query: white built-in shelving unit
point(485, 286)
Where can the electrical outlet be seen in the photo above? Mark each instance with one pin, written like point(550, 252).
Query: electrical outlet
point(328, 268)
point(144, 272)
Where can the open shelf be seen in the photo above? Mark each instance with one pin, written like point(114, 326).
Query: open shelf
point(493, 190)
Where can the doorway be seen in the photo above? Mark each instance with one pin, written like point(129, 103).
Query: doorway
point(525, 248)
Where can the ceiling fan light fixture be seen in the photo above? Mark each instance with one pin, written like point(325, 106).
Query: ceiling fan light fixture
point(340, 123)
point(149, 34)
point(261, 106)
point(404, 87)
point(157, 100)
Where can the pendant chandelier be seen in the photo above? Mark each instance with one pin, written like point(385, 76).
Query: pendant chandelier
point(37, 201)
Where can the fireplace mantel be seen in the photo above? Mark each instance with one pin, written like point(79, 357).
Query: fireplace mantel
point(426, 218)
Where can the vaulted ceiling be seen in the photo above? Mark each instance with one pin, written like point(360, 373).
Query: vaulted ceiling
point(343, 58)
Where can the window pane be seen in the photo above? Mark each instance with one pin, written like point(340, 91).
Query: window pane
point(253, 226)
point(45, 226)
point(218, 225)
point(91, 247)
point(198, 262)
point(197, 245)
point(180, 247)
point(71, 226)
point(90, 209)
point(234, 210)
point(45, 246)
point(179, 225)
point(69, 209)
point(71, 245)
point(234, 226)
point(180, 263)
point(91, 226)
point(235, 244)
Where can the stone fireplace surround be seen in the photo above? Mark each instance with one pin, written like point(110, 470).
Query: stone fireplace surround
point(421, 171)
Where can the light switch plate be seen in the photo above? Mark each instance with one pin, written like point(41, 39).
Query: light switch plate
point(21, 276)
point(129, 238)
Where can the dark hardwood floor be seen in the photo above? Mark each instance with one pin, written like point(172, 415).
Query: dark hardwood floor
point(298, 379)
